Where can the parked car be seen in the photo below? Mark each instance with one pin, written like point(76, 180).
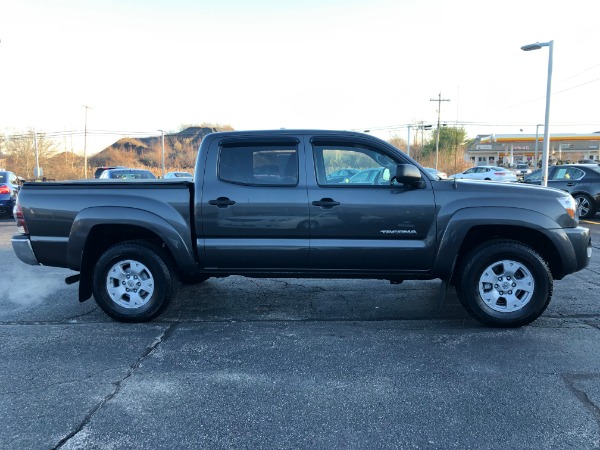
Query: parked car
point(375, 176)
point(179, 176)
point(341, 176)
point(490, 173)
point(521, 170)
point(582, 181)
point(9, 189)
point(99, 170)
point(437, 173)
point(127, 174)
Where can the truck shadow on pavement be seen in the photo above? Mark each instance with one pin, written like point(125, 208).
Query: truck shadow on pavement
point(246, 299)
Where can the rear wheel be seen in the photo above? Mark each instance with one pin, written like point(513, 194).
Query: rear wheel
point(585, 205)
point(505, 284)
point(133, 282)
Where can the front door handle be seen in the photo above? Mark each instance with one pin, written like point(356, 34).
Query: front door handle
point(326, 203)
point(221, 202)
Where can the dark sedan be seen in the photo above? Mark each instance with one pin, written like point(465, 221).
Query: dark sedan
point(9, 188)
point(341, 176)
point(582, 181)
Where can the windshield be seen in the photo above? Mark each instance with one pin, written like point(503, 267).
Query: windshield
point(534, 176)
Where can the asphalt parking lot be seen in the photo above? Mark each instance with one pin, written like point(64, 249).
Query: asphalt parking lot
point(245, 363)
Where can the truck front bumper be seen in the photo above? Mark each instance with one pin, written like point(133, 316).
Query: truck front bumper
point(581, 240)
point(22, 247)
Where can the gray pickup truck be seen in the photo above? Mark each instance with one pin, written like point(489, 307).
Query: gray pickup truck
point(300, 204)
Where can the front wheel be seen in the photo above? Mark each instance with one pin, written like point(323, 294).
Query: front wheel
point(505, 284)
point(132, 282)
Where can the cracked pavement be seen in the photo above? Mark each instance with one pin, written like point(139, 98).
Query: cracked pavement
point(294, 364)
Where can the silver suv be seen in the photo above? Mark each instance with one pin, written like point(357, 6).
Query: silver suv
point(521, 170)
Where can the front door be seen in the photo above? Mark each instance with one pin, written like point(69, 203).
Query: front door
point(365, 222)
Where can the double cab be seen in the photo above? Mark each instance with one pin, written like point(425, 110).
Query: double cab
point(264, 204)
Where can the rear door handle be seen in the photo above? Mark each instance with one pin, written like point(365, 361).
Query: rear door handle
point(326, 203)
point(221, 202)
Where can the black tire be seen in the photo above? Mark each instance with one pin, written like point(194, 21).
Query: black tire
point(585, 205)
point(504, 284)
point(133, 282)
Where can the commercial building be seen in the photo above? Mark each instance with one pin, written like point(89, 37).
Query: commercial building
point(510, 149)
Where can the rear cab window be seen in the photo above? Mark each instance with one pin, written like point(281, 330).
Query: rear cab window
point(259, 164)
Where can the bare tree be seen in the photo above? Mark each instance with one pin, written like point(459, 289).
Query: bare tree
point(2, 151)
point(21, 150)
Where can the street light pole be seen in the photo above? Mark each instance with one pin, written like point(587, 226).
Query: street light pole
point(546, 151)
point(408, 142)
point(423, 127)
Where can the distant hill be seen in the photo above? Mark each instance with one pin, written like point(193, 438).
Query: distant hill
point(180, 150)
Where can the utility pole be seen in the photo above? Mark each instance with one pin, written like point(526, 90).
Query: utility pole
point(437, 134)
point(36, 171)
point(85, 164)
point(163, 152)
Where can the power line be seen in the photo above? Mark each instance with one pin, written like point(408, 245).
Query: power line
point(579, 85)
point(553, 93)
point(145, 134)
point(579, 73)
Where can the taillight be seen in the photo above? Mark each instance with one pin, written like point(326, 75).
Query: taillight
point(18, 214)
point(4, 189)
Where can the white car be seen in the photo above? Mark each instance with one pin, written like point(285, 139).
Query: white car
point(179, 175)
point(437, 173)
point(491, 173)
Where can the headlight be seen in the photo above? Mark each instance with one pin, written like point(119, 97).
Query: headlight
point(570, 206)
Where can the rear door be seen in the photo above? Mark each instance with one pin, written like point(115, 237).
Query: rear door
point(366, 223)
point(254, 205)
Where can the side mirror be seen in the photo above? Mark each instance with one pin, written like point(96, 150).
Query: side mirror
point(409, 175)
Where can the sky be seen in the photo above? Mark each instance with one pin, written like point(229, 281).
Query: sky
point(148, 65)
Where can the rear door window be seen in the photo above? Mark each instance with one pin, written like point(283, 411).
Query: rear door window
point(261, 165)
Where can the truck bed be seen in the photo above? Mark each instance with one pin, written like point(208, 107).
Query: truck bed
point(52, 208)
